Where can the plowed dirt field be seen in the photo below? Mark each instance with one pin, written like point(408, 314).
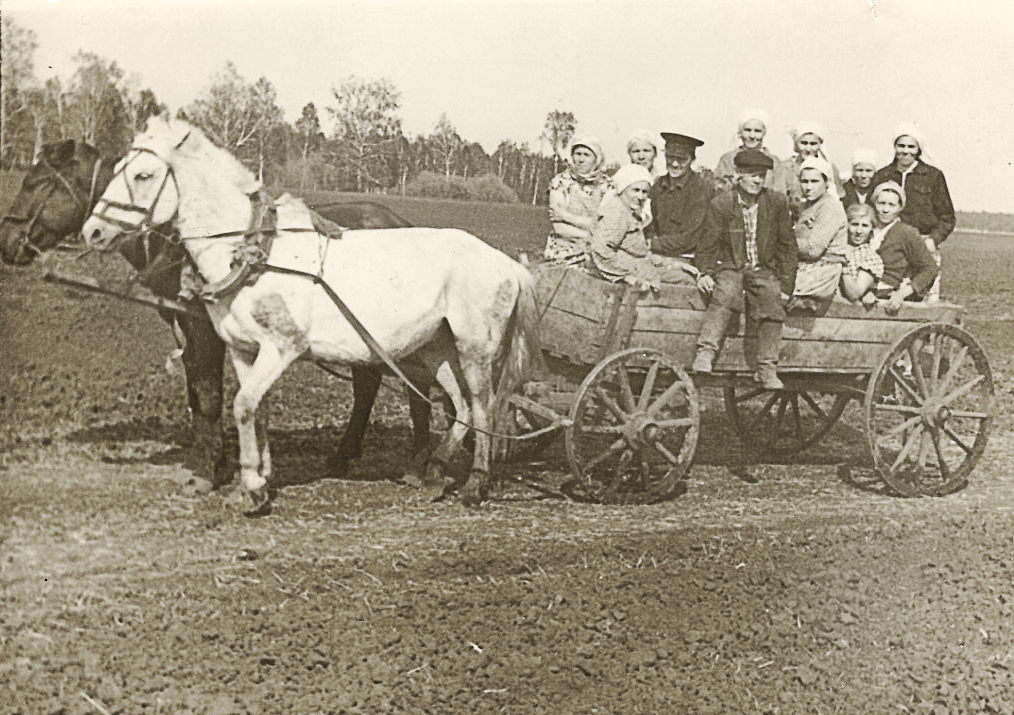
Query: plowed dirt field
point(811, 591)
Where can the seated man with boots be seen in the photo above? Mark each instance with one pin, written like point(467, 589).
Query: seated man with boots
point(747, 255)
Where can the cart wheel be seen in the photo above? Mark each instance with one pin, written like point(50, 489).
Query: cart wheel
point(636, 418)
point(782, 422)
point(929, 410)
point(522, 421)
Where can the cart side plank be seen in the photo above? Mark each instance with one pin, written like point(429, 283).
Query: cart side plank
point(585, 317)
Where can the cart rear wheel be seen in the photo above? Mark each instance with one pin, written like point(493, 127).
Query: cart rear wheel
point(635, 422)
point(782, 422)
point(929, 410)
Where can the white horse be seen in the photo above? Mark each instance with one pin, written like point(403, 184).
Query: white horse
point(441, 294)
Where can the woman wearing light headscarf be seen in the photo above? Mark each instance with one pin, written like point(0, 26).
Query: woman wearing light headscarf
point(859, 188)
point(643, 151)
point(574, 196)
point(821, 238)
point(753, 127)
point(909, 268)
point(619, 249)
point(929, 208)
point(808, 138)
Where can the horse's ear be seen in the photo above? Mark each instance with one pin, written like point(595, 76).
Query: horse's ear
point(59, 154)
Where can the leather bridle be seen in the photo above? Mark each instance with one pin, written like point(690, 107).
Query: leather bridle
point(52, 181)
point(144, 224)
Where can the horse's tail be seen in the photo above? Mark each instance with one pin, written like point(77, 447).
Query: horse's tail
point(523, 355)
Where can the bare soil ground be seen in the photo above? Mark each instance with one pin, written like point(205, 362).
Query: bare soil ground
point(810, 592)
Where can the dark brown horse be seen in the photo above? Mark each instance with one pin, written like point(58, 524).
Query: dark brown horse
point(57, 195)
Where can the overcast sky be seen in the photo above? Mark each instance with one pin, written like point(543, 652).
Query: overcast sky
point(497, 68)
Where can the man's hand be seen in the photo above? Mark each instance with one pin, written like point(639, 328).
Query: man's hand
point(931, 245)
point(894, 303)
point(705, 283)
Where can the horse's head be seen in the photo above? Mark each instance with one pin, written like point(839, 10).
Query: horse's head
point(146, 188)
point(56, 196)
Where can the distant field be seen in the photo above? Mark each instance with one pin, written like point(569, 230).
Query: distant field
point(512, 228)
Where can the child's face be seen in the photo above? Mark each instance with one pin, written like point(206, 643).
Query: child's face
point(860, 230)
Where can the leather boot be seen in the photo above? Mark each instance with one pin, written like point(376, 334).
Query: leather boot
point(767, 376)
point(704, 360)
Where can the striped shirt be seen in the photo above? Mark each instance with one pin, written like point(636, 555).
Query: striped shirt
point(750, 228)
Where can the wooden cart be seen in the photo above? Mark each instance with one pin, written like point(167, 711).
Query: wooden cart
point(617, 388)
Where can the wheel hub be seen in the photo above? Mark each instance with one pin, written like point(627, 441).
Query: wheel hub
point(935, 414)
point(643, 428)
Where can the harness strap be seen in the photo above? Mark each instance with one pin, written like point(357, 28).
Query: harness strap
point(380, 352)
point(370, 341)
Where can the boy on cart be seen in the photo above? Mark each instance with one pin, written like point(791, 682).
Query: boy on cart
point(747, 255)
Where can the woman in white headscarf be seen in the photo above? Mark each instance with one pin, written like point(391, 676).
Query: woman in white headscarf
point(929, 208)
point(808, 138)
point(643, 150)
point(859, 188)
point(619, 249)
point(753, 127)
point(574, 196)
point(821, 238)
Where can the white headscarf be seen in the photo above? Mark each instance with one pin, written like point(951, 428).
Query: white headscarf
point(630, 174)
point(824, 167)
point(865, 156)
point(642, 136)
point(745, 116)
point(810, 127)
point(753, 113)
point(911, 129)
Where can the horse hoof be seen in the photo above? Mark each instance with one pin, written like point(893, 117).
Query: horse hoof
point(471, 497)
point(434, 492)
point(337, 466)
point(257, 503)
point(195, 486)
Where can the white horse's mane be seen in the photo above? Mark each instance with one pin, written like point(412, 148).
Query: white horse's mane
point(171, 137)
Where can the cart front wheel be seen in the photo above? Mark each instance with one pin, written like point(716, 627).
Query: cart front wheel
point(635, 423)
point(929, 410)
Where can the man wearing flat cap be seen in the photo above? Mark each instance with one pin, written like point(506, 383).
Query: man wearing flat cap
point(679, 200)
point(748, 258)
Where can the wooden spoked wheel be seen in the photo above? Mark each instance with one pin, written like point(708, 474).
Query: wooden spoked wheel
point(635, 423)
point(782, 422)
point(929, 410)
point(525, 418)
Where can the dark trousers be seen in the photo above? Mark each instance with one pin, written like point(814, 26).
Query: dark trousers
point(756, 290)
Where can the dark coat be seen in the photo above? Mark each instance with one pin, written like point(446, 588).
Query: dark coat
point(851, 196)
point(905, 254)
point(678, 207)
point(723, 241)
point(928, 204)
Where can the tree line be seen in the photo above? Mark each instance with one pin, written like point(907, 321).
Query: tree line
point(358, 145)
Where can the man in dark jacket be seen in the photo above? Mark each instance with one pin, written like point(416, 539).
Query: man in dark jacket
point(747, 255)
point(679, 200)
point(928, 208)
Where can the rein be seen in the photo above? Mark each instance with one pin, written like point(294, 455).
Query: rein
point(245, 270)
point(380, 352)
